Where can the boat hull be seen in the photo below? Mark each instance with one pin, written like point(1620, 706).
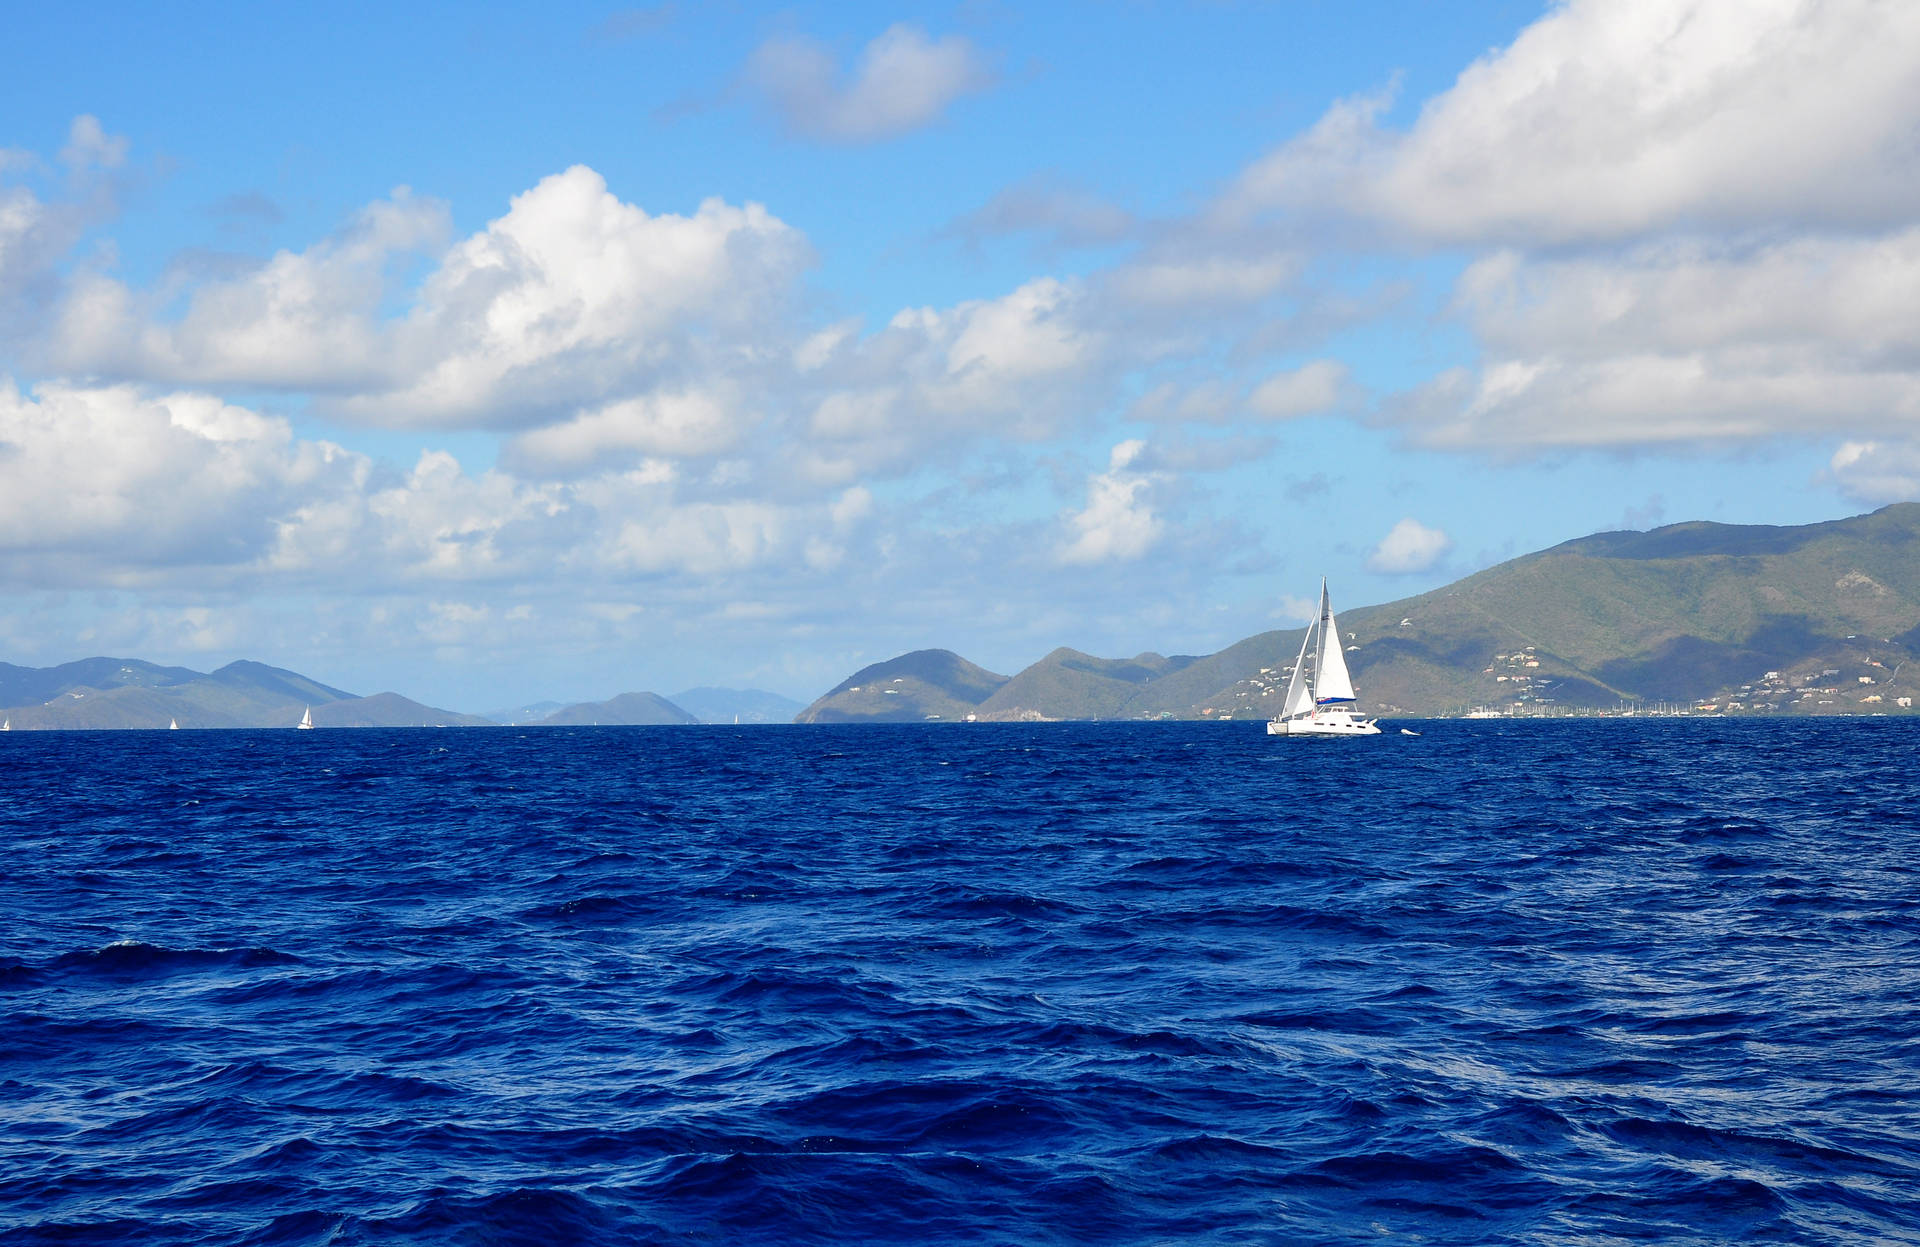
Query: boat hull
point(1328, 724)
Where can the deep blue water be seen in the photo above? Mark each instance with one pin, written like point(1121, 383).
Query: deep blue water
point(1566, 982)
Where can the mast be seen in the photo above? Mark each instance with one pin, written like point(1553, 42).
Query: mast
point(1331, 683)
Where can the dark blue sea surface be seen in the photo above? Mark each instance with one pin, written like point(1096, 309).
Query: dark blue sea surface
point(1548, 982)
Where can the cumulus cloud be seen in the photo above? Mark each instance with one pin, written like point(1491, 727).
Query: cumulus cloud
point(1653, 400)
point(1014, 366)
point(598, 336)
point(570, 301)
point(1683, 342)
point(1701, 216)
point(903, 81)
point(574, 295)
point(1875, 472)
point(684, 424)
point(1609, 118)
point(107, 485)
point(1118, 523)
point(1851, 295)
point(307, 320)
point(1409, 547)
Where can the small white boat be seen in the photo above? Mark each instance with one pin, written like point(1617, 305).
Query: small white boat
point(7, 726)
point(173, 725)
point(1407, 731)
point(1318, 709)
point(306, 720)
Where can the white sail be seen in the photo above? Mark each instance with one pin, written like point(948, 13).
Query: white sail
point(7, 726)
point(173, 725)
point(1312, 707)
point(306, 719)
point(1299, 698)
point(1331, 683)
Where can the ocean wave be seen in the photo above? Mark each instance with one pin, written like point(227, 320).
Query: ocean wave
point(1030, 984)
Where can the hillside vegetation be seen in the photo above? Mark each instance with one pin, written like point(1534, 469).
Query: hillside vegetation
point(1719, 618)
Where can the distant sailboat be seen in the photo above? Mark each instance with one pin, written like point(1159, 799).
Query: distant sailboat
point(1315, 710)
point(306, 720)
point(173, 725)
point(7, 726)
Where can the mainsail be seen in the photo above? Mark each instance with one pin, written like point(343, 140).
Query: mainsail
point(1331, 683)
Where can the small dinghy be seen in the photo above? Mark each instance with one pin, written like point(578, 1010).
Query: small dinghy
point(1407, 731)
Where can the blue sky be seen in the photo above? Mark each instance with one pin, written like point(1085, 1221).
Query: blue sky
point(494, 353)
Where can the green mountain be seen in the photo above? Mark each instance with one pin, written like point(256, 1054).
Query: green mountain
point(97, 693)
point(1068, 684)
point(934, 684)
point(1817, 619)
point(626, 710)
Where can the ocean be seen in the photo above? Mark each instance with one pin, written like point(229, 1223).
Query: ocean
point(1587, 982)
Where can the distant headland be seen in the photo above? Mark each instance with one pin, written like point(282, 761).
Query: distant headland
point(1695, 618)
point(126, 693)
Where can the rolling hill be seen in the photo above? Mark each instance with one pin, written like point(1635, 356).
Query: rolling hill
point(927, 684)
point(126, 693)
point(626, 710)
point(1819, 618)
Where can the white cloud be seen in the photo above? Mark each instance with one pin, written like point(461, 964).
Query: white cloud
point(1876, 472)
point(599, 335)
point(1410, 547)
point(1680, 342)
point(677, 426)
point(1022, 366)
point(1611, 118)
point(38, 235)
point(1316, 388)
point(576, 297)
point(568, 303)
point(107, 483)
point(302, 320)
point(1853, 296)
point(903, 81)
point(1704, 212)
point(108, 486)
point(1653, 400)
point(1118, 523)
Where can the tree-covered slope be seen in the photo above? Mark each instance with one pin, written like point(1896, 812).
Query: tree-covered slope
point(1697, 613)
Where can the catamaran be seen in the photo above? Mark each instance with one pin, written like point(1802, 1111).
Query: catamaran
point(1316, 708)
point(306, 720)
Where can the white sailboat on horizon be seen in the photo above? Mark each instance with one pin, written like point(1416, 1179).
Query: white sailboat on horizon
point(1316, 709)
point(173, 725)
point(306, 720)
